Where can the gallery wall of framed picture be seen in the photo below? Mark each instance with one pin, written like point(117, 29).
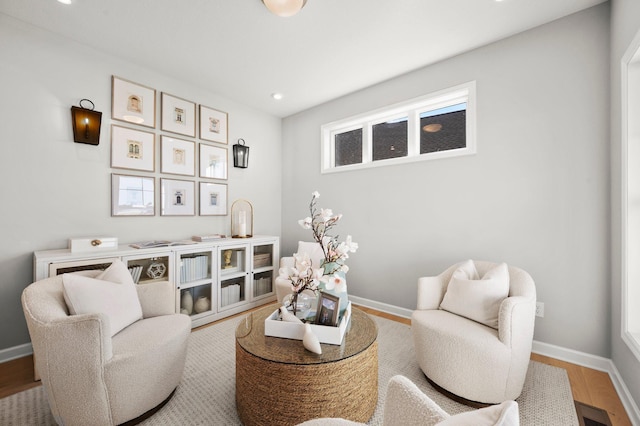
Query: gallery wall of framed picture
point(189, 145)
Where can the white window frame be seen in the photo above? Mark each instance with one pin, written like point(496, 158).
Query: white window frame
point(463, 93)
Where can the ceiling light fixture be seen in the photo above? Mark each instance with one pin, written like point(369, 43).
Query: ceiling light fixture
point(284, 8)
point(276, 96)
point(64, 1)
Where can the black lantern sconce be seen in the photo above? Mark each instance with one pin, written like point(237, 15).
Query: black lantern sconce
point(240, 155)
point(86, 124)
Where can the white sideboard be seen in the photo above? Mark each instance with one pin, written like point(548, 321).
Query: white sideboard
point(213, 280)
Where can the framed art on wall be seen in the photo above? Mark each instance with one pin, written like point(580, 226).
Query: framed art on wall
point(213, 199)
point(213, 125)
point(213, 162)
point(132, 149)
point(133, 102)
point(177, 197)
point(132, 195)
point(178, 115)
point(177, 156)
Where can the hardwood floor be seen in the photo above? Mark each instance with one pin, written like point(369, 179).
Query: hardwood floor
point(589, 386)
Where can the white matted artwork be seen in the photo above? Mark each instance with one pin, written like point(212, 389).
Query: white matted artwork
point(213, 162)
point(213, 125)
point(178, 115)
point(213, 199)
point(132, 149)
point(133, 102)
point(178, 156)
point(132, 195)
point(177, 197)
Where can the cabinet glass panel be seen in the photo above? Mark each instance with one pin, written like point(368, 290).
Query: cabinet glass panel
point(149, 269)
point(262, 283)
point(232, 291)
point(232, 260)
point(196, 300)
point(195, 267)
point(262, 256)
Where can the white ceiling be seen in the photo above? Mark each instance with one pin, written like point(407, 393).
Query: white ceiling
point(331, 48)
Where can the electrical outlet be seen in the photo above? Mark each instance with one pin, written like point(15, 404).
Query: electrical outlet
point(540, 309)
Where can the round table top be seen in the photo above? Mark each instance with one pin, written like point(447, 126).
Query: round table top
point(361, 333)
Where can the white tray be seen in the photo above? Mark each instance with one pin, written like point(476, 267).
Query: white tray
point(291, 330)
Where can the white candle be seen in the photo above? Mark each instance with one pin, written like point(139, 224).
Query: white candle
point(242, 224)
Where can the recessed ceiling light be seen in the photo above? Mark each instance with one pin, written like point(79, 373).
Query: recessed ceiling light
point(64, 1)
point(276, 96)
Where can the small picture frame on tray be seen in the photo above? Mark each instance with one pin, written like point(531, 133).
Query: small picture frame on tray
point(328, 309)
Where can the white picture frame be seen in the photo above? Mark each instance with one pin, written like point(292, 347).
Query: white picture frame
point(178, 115)
point(214, 125)
point(214, 162)
point(132, 149)
point(177, 197)
point(177, 156)
point(213, 199)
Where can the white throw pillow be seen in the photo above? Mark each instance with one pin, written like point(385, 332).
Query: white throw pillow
point(505, 414)
point(477, 299)
point(112, 293)
point(313, 250)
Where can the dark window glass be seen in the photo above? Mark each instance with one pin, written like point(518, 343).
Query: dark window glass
point(443, 129)
point(349, 147)
point(390, 139)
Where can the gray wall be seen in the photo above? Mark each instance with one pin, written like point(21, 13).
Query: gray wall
point(625, 24)
point(54, 189)
point(536, 194)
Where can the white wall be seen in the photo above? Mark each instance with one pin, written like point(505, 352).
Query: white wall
point(625, 24)
point(54, 189)
point(536, 194)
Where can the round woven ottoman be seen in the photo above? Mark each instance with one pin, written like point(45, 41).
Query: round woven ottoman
point(278, 382)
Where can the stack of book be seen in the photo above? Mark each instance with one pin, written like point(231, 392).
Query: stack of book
point(262, 286)
point(194, 268)
point(230, 294)
point(135, 271)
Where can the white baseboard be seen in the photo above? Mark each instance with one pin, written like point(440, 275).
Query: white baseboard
point(569, 355)
point(15, 352)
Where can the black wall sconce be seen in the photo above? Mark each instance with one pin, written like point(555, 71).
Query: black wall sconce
point(86, 124)
point(240, 155)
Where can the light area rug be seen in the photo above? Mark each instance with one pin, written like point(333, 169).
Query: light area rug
point(206, 395)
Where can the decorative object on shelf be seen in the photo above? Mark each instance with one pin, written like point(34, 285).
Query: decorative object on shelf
point(213, 162)
point(79, 245)
point(241, 219)
point(125, 189)
point(132, 102)
point(310, 340)
point(213, 199)
point(178, 115)
point(213, 125)
point(177, 197)
point(202, 304)
point(227, 258)
point(86, 123)
point(288, 316)
point(335, 253)
point(240, 155)
point(132, 149)
point(284, 8)
point(177, 156)
point(156, 270)
point(186, 302)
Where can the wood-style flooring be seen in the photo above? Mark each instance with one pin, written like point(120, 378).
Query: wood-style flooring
point(589, 386)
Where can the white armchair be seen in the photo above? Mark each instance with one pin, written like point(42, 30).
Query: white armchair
point(472, 360)
point(406, 405)
point(91, 377)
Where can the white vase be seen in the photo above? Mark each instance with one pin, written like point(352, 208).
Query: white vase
point(310, 340)
point(202, 304)
point(186, 302)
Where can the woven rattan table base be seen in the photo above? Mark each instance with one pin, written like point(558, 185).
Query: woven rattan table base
point(272, 393)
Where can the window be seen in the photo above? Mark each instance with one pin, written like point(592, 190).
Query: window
point(438, 125)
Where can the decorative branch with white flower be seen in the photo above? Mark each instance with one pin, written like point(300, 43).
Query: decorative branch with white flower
point(335, 253)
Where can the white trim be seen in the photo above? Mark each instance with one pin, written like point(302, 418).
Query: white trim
point(15, 352)
point(382, 307)
point(463, 93)
point(630, 340)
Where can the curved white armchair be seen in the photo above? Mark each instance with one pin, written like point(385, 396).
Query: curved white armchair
point(467, 358)
point(91, 377)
